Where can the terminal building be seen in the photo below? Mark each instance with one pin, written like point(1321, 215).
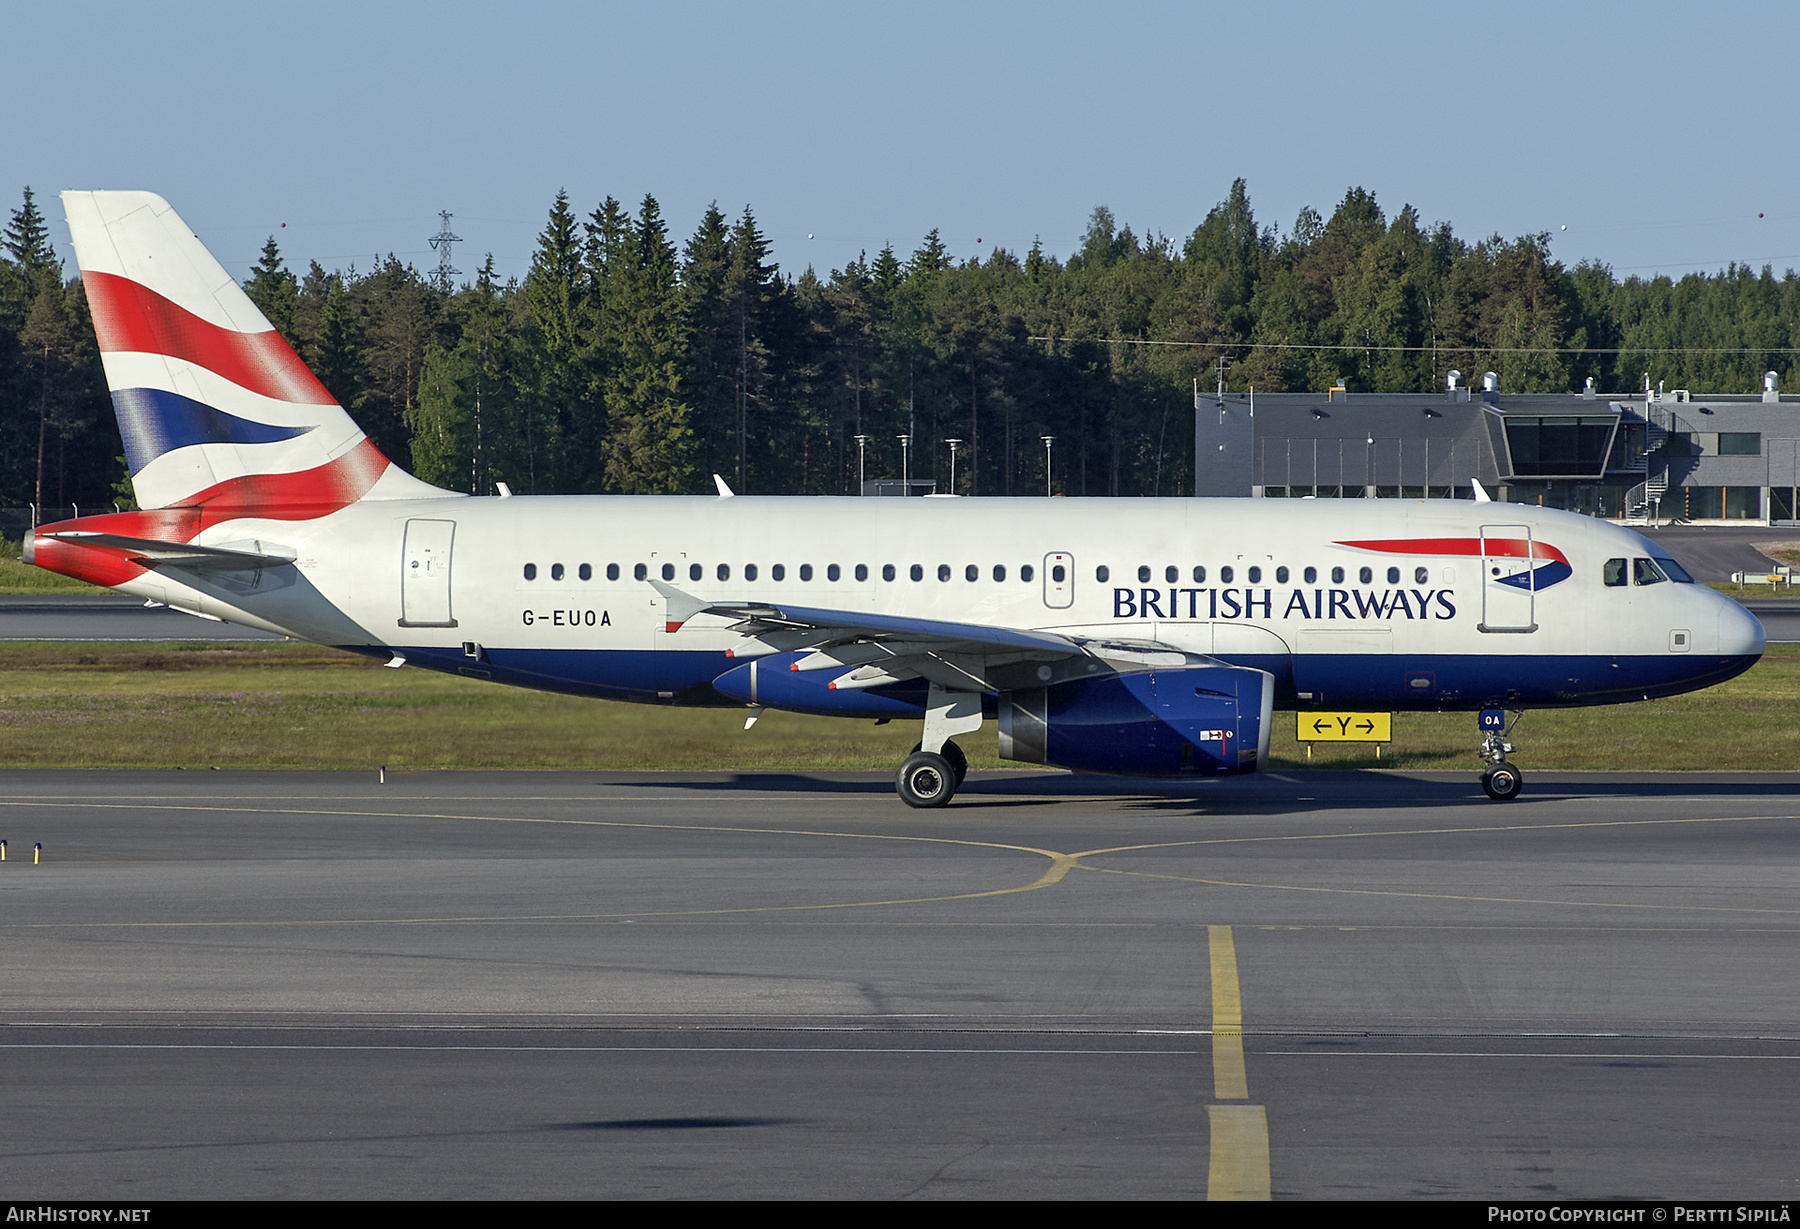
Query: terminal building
point(1669, 455)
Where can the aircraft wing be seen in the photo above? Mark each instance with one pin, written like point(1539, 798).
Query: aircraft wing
point(874, 649)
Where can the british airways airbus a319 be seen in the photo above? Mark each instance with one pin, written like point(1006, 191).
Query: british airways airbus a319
point(1144, 637)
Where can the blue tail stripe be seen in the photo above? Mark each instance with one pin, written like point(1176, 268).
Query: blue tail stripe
point(153, 422)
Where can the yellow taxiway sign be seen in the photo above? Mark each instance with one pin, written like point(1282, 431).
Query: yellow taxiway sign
point(1345, 727)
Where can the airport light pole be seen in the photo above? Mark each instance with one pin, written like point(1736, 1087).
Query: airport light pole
point(953, 447)
point(1048, 440)
point(861, 480)
point(905, 463)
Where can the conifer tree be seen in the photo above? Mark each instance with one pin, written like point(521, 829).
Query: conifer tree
point(650, 446)
point(276, 292)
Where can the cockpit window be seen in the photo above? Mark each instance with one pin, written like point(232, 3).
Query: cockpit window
point(1674, 571)
point(1614, 573)
point(1645, 572)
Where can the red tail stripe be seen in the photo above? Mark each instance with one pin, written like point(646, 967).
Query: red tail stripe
point(133, 318)
point(277, 497)
point(1498, 548)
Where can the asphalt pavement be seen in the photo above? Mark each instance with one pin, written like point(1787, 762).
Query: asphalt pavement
point(689, 985)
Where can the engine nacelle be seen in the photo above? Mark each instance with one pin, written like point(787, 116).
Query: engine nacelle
point(1181, 721)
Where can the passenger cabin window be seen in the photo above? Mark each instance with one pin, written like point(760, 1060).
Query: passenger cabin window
point(586, 572)
point(806, 571)
point(1101, 574)
point(531, 571)
point(640, 572)
point(972, 573)
point(917, 572)
point(1366, 576)
point(1645, 572)
point(668, 571)
point(1281, 576)
point(1393, 576)
point(1255, 576)
point(612, 571)
point(1143, 573)
point(1337, 576)
point(1026, 572)
point(862, 571)
point(724, 571)
point(1421, 576)
point(1171, 574)
point(1613, 574)
point(943, 571)
point(887, 571)
point(556, 571)
point(1310, 576)
point(695, 571)
point(749, 571)
point(1226, 575)
point(1199, 573)
point(777, 571)
point(999, 571)
point(833, 572)
point(1059, 573)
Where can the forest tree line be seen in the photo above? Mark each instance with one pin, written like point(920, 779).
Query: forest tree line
point(624, 362)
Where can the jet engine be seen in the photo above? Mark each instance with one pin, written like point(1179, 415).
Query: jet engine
point(1196, 720)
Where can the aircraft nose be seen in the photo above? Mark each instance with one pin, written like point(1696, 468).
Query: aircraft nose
point(1741, 633)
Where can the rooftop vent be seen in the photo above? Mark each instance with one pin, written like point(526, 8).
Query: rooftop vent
point(1771, 386)
point(1454, 389)
point(1587, 389)
point(1338, 392)
point(1490, 386)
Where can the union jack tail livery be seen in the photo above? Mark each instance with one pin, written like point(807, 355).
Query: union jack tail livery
point(213, 405)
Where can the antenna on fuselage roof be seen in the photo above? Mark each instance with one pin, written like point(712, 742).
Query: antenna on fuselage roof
point(1480, 492)
point(725, 491)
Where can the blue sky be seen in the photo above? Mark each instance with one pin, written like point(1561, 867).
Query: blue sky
point(1655, 132)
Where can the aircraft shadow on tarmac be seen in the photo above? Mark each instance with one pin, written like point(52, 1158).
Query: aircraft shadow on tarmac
point(1309, 790)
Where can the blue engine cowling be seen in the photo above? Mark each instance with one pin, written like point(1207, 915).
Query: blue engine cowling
point(1184, 721)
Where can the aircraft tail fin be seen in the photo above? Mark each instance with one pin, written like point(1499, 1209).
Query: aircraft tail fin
point(216, 410)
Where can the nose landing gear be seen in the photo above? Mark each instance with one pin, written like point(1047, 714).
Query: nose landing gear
point(1500, 780)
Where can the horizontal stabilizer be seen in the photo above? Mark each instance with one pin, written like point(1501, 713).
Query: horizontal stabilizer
point(239, 557)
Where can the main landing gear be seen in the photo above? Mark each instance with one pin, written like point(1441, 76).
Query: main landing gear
point(928, 780)
point(1500, 780)
point(929, 776)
